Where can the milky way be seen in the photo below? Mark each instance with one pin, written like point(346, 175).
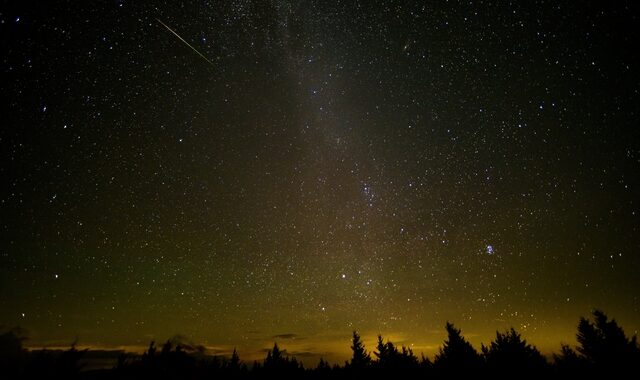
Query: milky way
point(326, 167)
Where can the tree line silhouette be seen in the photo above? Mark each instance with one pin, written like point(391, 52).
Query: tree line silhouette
point(603, 350)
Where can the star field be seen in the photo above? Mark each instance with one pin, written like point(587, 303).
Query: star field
point(307, 168)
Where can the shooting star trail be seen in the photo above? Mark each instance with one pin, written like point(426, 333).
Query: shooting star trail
point(185, 42)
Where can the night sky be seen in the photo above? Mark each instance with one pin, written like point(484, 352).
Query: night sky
point(243, 172)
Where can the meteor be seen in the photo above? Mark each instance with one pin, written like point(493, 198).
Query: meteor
point(185, 42)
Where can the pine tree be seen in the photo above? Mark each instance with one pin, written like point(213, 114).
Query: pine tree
point(457, 355)
point(604, 344)
point(361, 357)
point(509, 353)
point(234, 362)
point(388, 355)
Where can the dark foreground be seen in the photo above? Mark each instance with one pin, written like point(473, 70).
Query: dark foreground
point(603, 350)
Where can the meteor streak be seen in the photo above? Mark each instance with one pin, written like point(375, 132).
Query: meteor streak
point(185, 42)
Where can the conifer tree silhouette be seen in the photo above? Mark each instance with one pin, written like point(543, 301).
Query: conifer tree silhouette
point(274, 358)
point(510, 354)
point(408, 359)
point(234, 362)
point(568, 361)
point(233, 367)
point(361, 357)
point(457, 355)
point(323, 366)
point(604, 345)
point(277, 363)
point(386, 353)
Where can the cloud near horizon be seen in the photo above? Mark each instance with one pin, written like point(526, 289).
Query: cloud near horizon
point(287, 336)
